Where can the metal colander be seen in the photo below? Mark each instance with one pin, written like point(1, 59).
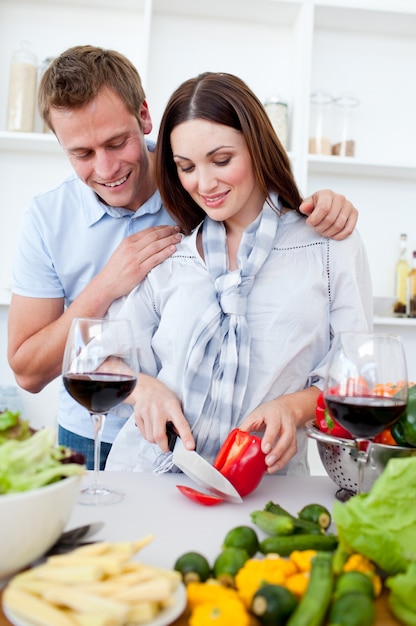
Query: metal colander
point(340, 459)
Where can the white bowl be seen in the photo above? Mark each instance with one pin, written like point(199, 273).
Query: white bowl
point(32, 521)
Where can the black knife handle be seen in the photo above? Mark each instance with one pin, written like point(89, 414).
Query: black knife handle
point(171, 434)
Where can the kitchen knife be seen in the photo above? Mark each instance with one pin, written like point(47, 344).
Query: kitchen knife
point(203, 473)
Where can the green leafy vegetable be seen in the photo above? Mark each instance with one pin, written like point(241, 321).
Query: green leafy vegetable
point(12, 427)
point(402, 598)
point(382, 523)
point(35, 462)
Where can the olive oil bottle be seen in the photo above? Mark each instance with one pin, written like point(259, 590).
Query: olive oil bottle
point(411, 311)
point(401, 279)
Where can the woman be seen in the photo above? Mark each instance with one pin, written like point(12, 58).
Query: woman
point(235, 328)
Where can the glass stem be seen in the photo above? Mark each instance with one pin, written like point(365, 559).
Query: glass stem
point(362, 458)
point(98, 421)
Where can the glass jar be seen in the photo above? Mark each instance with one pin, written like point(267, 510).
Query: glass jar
point(22, 89)
point(276, 109)
point(43, 67)
point(345, 111)
point(320, 122)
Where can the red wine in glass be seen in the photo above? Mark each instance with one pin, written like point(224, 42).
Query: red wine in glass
point(364, 416)
point(99, 392)
point(360, 366)
point(99, 370)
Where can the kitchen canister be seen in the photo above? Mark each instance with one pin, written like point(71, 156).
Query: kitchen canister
point(22, 89)
point(320, 128)
point(345, 112)
point(276, 109)
point(42, 69)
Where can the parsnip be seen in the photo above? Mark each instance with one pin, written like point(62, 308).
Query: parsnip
point(95, 585)
point(82, 602)
point(34, 609)
point(72, 574)
point(156, 589)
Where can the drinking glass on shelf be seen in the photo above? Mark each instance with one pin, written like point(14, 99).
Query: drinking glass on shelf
point(99, 371)
point(366, 386)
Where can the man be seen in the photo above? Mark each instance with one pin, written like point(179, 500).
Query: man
point(93, 238)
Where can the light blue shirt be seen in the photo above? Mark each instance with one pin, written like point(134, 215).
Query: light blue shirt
point(66, 237)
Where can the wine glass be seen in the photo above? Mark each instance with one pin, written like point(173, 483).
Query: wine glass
point(366, 387)
point(99, 371)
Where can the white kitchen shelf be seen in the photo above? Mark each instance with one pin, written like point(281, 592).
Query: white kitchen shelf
point(29, 142)
point(387, 17)
point(283, 12)
point(121, 4)
point(394, 321)
point(351, 166)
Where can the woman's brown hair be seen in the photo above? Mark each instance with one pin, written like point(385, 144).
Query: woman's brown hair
point(224, 99)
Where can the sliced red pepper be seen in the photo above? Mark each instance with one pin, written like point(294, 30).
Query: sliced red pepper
point(199, 497)
point(242, 461)
point(325, 422)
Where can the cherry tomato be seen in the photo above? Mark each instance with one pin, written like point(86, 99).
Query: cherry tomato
point(198, 496)
point(385, 389)
point(385, 437)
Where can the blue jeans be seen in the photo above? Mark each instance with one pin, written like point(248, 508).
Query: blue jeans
point(83, 445)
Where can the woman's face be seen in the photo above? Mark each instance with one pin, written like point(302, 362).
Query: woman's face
point(215, 168)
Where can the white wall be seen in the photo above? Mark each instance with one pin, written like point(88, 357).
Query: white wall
point(39, 409)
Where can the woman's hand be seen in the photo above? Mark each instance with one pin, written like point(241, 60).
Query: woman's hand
point(279, 420)
point(155, 405)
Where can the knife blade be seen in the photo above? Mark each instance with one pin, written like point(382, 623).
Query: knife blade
point(203, 473)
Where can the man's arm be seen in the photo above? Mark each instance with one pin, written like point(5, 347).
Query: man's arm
point(331, 214)
point(38, 327)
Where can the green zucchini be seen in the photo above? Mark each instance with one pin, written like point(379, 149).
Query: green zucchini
point(193, 566)
point(272, 524)
point(314, 604)
point(354, 608)
point(284, 545)
point(273, 604)
point(316, 513)
point(340, 558)
point(301, 525)
point(350, 581)
point(228, 563)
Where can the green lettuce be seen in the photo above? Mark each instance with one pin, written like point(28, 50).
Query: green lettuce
point(402, 597)
point(381, 524)
point(13, 427)
point(35, 462)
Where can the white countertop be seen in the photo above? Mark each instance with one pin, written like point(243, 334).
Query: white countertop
point(153, 505)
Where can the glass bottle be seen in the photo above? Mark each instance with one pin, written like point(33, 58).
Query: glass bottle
point(276, 109)
point(401, 279)
point(411, 311)
point(345, 107)
point(320, 123)
point(22, 89)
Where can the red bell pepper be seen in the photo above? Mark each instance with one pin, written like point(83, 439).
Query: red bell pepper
point(242, 461)
point(198, 496)
point(325, 422)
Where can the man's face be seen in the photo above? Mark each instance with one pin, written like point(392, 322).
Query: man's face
point(106, 147)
